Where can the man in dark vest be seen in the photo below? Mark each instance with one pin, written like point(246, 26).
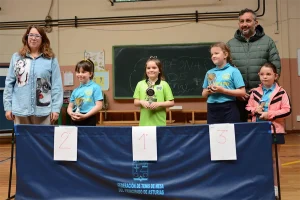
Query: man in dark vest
point(250, 49)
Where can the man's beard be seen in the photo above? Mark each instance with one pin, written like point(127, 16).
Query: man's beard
point(248, 32)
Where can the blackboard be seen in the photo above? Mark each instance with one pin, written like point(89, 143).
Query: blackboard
point(3, 72)
point(5, 124)
point(184, 67)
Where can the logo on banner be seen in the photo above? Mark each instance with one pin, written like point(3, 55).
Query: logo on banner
point(140, 170)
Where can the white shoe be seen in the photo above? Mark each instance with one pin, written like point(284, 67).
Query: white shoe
point(276, 191)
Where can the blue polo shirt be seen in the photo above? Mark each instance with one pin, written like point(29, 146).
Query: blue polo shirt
point(228, 77)
point(266, 96)
point(90, 93)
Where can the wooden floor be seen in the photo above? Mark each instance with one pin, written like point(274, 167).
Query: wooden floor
point(290, 162)
point(5, 151)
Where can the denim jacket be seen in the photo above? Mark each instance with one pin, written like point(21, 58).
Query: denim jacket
point(33, 86)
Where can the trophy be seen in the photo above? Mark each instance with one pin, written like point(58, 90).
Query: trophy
point(262, 103)
point(150, 93)
point(78, 103)
point(211, 80)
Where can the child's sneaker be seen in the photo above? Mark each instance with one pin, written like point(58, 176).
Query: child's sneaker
point(276, 191)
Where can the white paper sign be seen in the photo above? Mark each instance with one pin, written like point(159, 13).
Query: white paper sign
point(65, 143)
point(222, 142)
point(68, 78)
point(144, 144)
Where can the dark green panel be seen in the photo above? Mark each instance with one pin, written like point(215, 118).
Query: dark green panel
point(184, 66)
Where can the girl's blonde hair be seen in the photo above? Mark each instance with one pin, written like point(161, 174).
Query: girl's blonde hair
point(225, 49)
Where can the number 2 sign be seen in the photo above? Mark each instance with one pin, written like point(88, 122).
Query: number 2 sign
point(144, 144)
point(65, 143)
point(222, 142)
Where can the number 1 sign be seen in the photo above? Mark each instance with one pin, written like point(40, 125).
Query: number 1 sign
point(222, 142)
point(144, 144)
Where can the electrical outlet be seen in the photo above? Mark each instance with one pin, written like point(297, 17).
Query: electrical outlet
point(298, 118)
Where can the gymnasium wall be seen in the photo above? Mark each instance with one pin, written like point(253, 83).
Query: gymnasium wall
point(69, 43)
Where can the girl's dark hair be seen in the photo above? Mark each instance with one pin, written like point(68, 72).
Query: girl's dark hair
point(159, 65)
point(85, 65)
point(225, 49)
point(269, 65)
point(45, 45)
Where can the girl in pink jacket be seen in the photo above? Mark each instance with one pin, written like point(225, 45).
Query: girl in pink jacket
point(270, 102)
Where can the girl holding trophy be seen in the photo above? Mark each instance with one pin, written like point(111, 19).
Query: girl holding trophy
point(221, 86)
point(153, 95)
point(86, 100)
point(270, 102)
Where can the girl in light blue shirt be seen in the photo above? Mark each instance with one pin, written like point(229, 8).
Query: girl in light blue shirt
point(221, 86)
point(86, 100)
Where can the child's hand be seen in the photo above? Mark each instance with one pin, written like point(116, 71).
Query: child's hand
point(259, 109)
point(77, 116)
point(144, 103)
point(210, 90)
point(73, 116)
point(217, 88)
point(154, 105)
point(264, 116)
point(80, 116)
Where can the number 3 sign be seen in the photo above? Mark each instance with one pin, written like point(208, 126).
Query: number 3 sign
point(222, 142)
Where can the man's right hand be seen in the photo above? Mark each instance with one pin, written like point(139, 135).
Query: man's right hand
point(246, 97)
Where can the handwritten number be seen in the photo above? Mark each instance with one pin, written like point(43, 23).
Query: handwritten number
point(222, 139)
point(66, 137)
point(144, 136)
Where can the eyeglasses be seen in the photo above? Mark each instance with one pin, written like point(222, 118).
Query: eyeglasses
point(268, 74)
point(36, 36)
point(153, 57)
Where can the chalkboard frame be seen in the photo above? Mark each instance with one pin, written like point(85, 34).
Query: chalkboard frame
point(155, 45)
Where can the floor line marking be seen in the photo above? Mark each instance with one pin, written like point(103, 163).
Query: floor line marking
point(291, 163)
point(290, 145)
